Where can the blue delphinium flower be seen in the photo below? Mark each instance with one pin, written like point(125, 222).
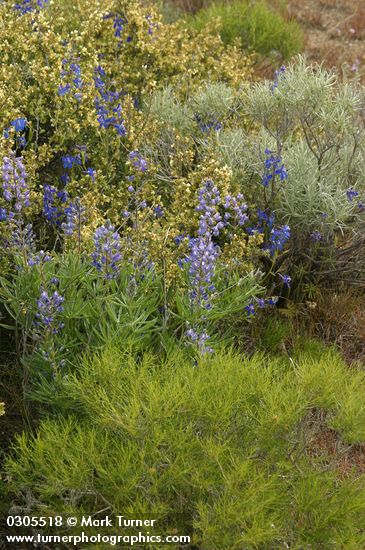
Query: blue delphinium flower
point(27, 6)
point(273, 166)
point(92, 173)
point(108, 105)
point(107, 245)
point(19, 124)
point(118, 24)
point(63, 89)
point(50, 211)
point(361, 206)
point(286, 280)
point(278, 238)
point(265, 218)
point(52, 201)
point(71, 80)
point(275, 237)
point(23, 7)
point(69, 161)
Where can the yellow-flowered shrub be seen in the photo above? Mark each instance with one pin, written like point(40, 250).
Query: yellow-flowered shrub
point(60, 60)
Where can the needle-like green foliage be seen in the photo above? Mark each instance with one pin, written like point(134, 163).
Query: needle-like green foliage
point(221, 451)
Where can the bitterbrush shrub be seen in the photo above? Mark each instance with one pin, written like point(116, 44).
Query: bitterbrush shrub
point(255, 24)
point(73, 80)
point(219, 451)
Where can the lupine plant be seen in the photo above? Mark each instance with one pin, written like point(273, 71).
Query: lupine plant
point(107, 255)
point(202, 262)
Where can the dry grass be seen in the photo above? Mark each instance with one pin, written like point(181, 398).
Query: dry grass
point(354, 26)
point(335, 31)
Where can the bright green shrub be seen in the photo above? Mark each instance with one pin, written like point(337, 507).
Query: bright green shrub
point(215, 451)
point(273, 331)
point(256, 25)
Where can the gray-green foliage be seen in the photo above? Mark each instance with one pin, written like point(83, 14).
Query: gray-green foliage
point(165, 107)
point(310, 119)
point(230, 147)
point(181, 123)
point(315, 198)
point(218, 451)
point(216, 100)
point(316, 124)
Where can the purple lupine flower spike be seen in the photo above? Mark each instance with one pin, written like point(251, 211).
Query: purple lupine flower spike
point(48, 308)
point(107, 245)
point(15, 187)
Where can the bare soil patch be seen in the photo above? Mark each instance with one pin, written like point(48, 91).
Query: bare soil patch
point(334, 32)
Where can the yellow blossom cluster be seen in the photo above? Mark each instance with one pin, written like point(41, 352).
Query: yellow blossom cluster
point(50, 60)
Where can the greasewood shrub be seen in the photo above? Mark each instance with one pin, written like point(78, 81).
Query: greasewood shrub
point(217, 451)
